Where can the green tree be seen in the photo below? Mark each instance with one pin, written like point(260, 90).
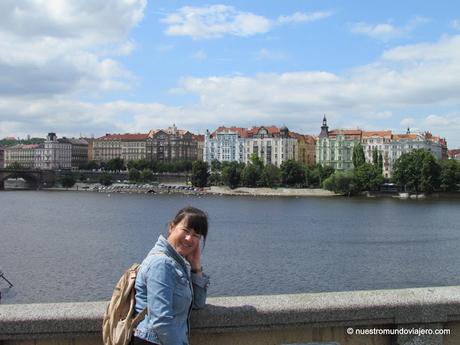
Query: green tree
point(417, 171)
point(450, 175)
point(68, 181)
point(115, 164)
point(251, 175)
point(199, 174)
point(134, 174)
point(216, 166)
point(380, 162)
point(292, 173)
point(368, 177)
point(271, 176)
point(105, 179)
point(90, 165)
point(342, 183)
point(16, 166)
point(231, 174)
point(375, 156)
point(146, 175)
point(358, 155)
point(139, 164)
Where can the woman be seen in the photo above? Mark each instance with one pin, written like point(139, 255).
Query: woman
point(168, 278)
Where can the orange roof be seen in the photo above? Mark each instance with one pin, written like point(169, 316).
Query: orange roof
point(349, 133)
point(242, 132)
point(126, 136)
point(198, 137)
point(386, 134)
point(405, 136)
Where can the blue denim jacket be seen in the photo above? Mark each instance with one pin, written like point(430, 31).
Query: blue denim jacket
point(166, 286)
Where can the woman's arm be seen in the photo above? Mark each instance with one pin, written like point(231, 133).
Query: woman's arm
point(200, 283)
point(160, 284)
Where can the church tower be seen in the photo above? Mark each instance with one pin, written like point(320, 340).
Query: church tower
point(324, 129)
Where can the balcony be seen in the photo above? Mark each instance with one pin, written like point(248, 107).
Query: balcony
point(318, 318)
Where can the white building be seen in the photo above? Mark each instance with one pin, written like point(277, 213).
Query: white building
point(225, 145)
point(54, 154)
point(271, 144)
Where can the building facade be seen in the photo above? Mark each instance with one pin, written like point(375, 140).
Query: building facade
point(79, 151)
point(2, 157)
point(335, 148)
point(21, 154)
point(125, 146)
point(306, 149)
point(271, 144)
point(54, 154)
point(225, 145)
point(171, 144)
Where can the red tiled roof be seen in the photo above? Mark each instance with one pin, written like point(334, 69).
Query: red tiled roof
point(126, 136)
point(242, 132)
point(386, 134)
point(198, 137)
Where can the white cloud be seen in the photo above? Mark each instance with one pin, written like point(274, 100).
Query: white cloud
point(200, 55)
point(386, 31)
point(219, 20)
point(302, 17)
point(455, 24)
point(61, 47)
point(266, 54)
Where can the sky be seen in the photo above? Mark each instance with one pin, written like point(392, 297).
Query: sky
point(86, 68)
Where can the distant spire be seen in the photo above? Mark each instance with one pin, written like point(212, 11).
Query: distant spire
point(324, 128)
point(408, 130)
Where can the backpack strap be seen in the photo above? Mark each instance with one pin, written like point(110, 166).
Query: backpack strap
point(139, 317)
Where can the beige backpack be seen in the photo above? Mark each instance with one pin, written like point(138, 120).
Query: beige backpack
point(118, 323)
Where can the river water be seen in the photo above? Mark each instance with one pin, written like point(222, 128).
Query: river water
point(73, 246)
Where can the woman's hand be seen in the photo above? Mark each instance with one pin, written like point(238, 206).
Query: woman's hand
point(194, 258)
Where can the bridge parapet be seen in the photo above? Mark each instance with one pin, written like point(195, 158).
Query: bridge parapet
point(318, 318)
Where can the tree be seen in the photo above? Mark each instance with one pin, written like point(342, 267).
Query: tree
point(91, 165)
point(216, 165)
point(252, 172)
point(380, 162)
point(199, 174)
point(375, 156)
point(134, 174)
point(231, 174)
point(68, 181)
point(105, 179)
point(115, 164)
point(271, 176)
point(342, 183)
point(16, 166)
point(358, 155)
point(417, 171)
point(146, 175)
point(250, 176)
point(139, 164)
point(368, 177)
point(292, 173)
point(450, 175)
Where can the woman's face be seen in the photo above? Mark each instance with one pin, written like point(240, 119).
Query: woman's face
point(183, 239)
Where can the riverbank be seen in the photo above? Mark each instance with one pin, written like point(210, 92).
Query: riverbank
point(184, 189)
point(241, 191)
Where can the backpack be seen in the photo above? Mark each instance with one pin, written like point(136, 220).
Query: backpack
point(118, 323)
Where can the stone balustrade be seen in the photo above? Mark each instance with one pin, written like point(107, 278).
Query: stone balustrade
point(333, 318)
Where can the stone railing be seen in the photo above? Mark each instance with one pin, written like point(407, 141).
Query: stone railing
point(336, 318)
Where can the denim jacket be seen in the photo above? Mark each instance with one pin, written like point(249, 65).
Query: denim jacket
point(168, 289)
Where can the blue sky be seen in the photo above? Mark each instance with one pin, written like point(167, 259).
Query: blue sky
point(121, 66)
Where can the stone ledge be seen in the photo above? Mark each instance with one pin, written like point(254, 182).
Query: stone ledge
point(246, 313)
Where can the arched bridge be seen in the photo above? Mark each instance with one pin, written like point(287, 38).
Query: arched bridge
point(34, 178)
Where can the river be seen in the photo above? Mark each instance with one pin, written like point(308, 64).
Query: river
point(73, 246)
